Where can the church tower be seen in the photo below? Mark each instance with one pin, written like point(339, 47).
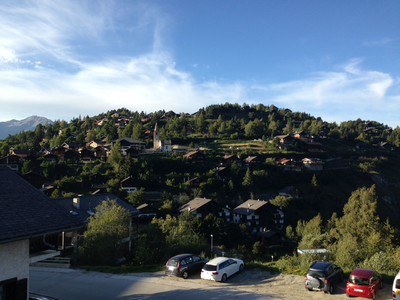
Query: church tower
point(156, 138)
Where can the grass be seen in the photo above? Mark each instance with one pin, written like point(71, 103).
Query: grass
point(124, 269)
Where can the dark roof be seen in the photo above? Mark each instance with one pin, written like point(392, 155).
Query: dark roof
point(89, 202)
point(26, 212)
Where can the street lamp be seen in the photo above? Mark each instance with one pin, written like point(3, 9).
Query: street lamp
point(211, 244)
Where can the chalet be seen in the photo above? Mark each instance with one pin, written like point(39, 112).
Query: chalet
point(12, 161)
point(230, 159)
point(315, 164)
point(300, 135)
point(202, 207)
point(129, 184)
point(71, 155)
point(314, 147)
point(134, 153)
point(127, 143)
point(292, 165)
point(99, 152)
point(193, 183)
point(361, 146)
point(35, 179)
point(223, 173)
point(59, 151)
point(23, 154)
point(147, 212)
point(289, 191)
point(33, 227)
point(97, 188)
point(270, 238)
point(86, 154)
point(385, 145)
point(95, 143)
point(250, 160)
point(258, 214)
point(71, 146)
point(195, 156)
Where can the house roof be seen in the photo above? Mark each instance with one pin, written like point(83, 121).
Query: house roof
point(89, 202)
point(130, 140)
point(194, 204)
point(26, 212)
point(250, 206)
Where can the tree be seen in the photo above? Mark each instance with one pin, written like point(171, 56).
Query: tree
point(115, 157)
point(137, 197)
point(106, 228)
point(247, 179)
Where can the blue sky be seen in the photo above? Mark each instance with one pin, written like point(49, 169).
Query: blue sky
point(339, 60)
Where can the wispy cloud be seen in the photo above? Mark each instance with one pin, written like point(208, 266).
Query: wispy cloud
point(379, 42)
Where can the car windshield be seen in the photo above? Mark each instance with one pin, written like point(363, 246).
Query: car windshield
point(315, 273)
point(172, 263)
point(358, 280)
point(208, 267)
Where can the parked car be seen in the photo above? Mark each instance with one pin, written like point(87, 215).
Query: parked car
point(396, 287)
point(183, 265)
point(364, 283)
point(220, 268)
point(322, 276)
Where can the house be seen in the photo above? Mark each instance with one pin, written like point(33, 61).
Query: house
point(21, 153)
point(127, 143)
point(71, 146)
point(95, 143)
point(84, 205)
point(285, 140)
point(58, 151)
point(129, 184)
point(230, 159)
point(195, 156)
point(33, 227)
point(35, 179)
point(86, 154)
point(270, 238)
point(289, 191)
point(223, 173)
point(99, 152)
point(251, 160)
point(12, 161)
point(314, 147)
point(51, 157)
point(314, 164)
point(147, 212)
point(193, 183)
point(71, 155)
point(133, 153)
point(300, 135)
point(258, 214)
point(202, 207)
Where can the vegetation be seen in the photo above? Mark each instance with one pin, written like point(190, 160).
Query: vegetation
point(341, 208)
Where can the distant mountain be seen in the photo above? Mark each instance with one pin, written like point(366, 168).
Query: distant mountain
point(14, 126)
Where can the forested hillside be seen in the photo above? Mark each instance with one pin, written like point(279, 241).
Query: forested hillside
point(353, 155)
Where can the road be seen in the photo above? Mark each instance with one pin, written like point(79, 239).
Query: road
point(68, 284)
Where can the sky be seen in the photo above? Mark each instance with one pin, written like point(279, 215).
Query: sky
point(338, 60)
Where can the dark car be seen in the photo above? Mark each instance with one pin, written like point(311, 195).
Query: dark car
point(322, 276)
point(184, 264)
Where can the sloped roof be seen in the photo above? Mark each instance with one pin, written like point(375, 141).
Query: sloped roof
point(250, 206)
point(89, 202)
point(26, 212)
point(194, 204)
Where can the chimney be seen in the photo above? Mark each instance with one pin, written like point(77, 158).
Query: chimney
point(77, 202)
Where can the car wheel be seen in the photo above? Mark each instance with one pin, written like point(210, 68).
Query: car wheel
point(330, 291)
point(223, 279)
point(310, 290)
point(241, 268)
point(185, 274)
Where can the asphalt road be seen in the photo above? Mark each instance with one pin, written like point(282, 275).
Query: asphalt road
point(68, 284)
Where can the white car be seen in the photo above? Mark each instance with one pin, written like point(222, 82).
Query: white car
point(220, 268)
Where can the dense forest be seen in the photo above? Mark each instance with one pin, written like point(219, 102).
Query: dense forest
point(360, 157)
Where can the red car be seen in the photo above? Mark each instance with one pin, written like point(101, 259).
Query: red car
point(364, 283)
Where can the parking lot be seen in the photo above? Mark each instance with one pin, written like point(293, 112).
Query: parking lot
point(287, 286)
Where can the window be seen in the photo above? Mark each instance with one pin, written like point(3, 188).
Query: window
point(196, 258)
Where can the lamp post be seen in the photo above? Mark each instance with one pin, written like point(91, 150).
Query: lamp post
point(212, 245)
